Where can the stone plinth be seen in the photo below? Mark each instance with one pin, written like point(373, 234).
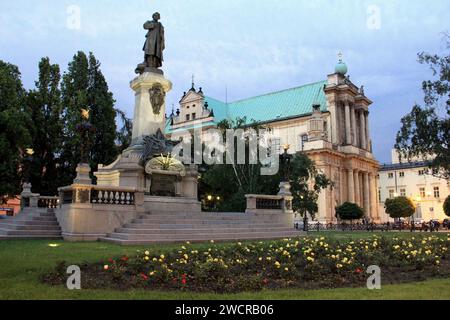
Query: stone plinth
point(83, 170)
point(149, 111)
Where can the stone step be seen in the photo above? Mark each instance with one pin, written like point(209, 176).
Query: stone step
point(198, 238)
point(239, 229)
point(16, 226)
point(204, 236)
point(30, 232)
point(28, 237)
point(203, 225)
point(194, 216)
point(40, 218)
point(31, 222)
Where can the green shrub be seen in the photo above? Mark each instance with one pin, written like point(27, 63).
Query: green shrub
point(400, 207)
point(349, 211)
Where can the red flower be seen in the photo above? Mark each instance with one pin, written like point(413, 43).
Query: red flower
point(358, 270)
point(110, 260)
point(183, 281)
point(144, 276)
point(265, 281)
point(124, 258)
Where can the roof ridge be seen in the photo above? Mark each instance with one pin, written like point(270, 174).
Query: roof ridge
point(270, 93)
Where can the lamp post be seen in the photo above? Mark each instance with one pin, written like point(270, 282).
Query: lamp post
point(85, 128)
point(28, 162)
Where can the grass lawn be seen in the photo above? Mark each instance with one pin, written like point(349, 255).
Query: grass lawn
point(22, 262)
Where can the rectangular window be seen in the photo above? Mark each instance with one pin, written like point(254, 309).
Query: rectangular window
point(188, 117)
point(436, 192)
point(401, 174)
point(423, 172)
point(422, 192)
point(303, 138)
point(379, 195)
point(403, 192)
point(391, 193)
point(274, 146)
point(194, 115)
point(390, 175)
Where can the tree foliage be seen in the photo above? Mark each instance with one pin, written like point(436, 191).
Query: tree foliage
point(425, 131)
point(306, 185)
point(44, 107)
point(349, 211)
point(14, 135)
point(84, 86)
point(399, 207)
point(447, 206)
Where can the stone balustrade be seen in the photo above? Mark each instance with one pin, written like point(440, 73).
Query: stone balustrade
point(101, 195)
point(269, 203)
point(48, 202)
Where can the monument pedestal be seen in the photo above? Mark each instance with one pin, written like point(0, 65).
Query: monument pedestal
point(83, 177)
point(149, 111)
point(149, 117)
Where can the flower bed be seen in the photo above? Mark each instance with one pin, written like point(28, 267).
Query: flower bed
point(299, 262)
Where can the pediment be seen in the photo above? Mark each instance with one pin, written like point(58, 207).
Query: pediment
point(191, 96)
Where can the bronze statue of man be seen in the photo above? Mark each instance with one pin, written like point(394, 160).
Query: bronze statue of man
point(153, 46)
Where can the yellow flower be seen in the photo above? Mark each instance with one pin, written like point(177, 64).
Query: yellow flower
point(146, 258)
point(339, 266)
point(212, 241)
point(162, 256)
point(152, 273)
point(260, 258)
point(310, 259)
point(185, 256)
point(286, 269)
point(147, 253)
point(187, 242)
point(183, 247)
point(277, 264)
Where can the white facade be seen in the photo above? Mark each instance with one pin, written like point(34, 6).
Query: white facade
point(415, 181)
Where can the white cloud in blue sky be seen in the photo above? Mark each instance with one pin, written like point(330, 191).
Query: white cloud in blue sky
point(250, 46)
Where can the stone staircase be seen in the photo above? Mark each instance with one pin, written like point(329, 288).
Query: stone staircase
point(171, 227)
point(31, 224)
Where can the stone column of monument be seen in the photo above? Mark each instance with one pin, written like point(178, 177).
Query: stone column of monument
point(150, 108)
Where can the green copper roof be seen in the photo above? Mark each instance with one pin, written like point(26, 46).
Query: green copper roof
point(270, 107)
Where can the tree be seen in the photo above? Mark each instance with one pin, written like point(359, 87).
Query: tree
point(425, 131)
point(14, 136)
point(349, 211)
point(44, 107)
point(84, 86)
point(447, 206)
point(306, 185)
point(399, 207)
point(233, 182)
point(125, 132)
point(103, 116)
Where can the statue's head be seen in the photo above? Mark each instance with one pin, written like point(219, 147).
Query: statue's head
point(156, 16)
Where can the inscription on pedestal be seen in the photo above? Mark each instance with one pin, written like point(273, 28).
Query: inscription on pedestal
point(163, 185)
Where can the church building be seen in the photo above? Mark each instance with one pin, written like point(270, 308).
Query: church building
point(328, 120)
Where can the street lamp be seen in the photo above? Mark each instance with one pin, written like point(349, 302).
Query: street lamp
point(28, 162)
point(85, 128)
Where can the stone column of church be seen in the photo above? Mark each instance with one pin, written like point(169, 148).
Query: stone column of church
point(351, 186)
point(334, 125)
point(366, 193)
point(367, 130)
point(373, 197)
point(348, 128)
point(362, 128)
point(355, 134)
point(357, 190)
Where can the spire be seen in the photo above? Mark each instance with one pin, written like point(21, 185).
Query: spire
point(193, 83)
